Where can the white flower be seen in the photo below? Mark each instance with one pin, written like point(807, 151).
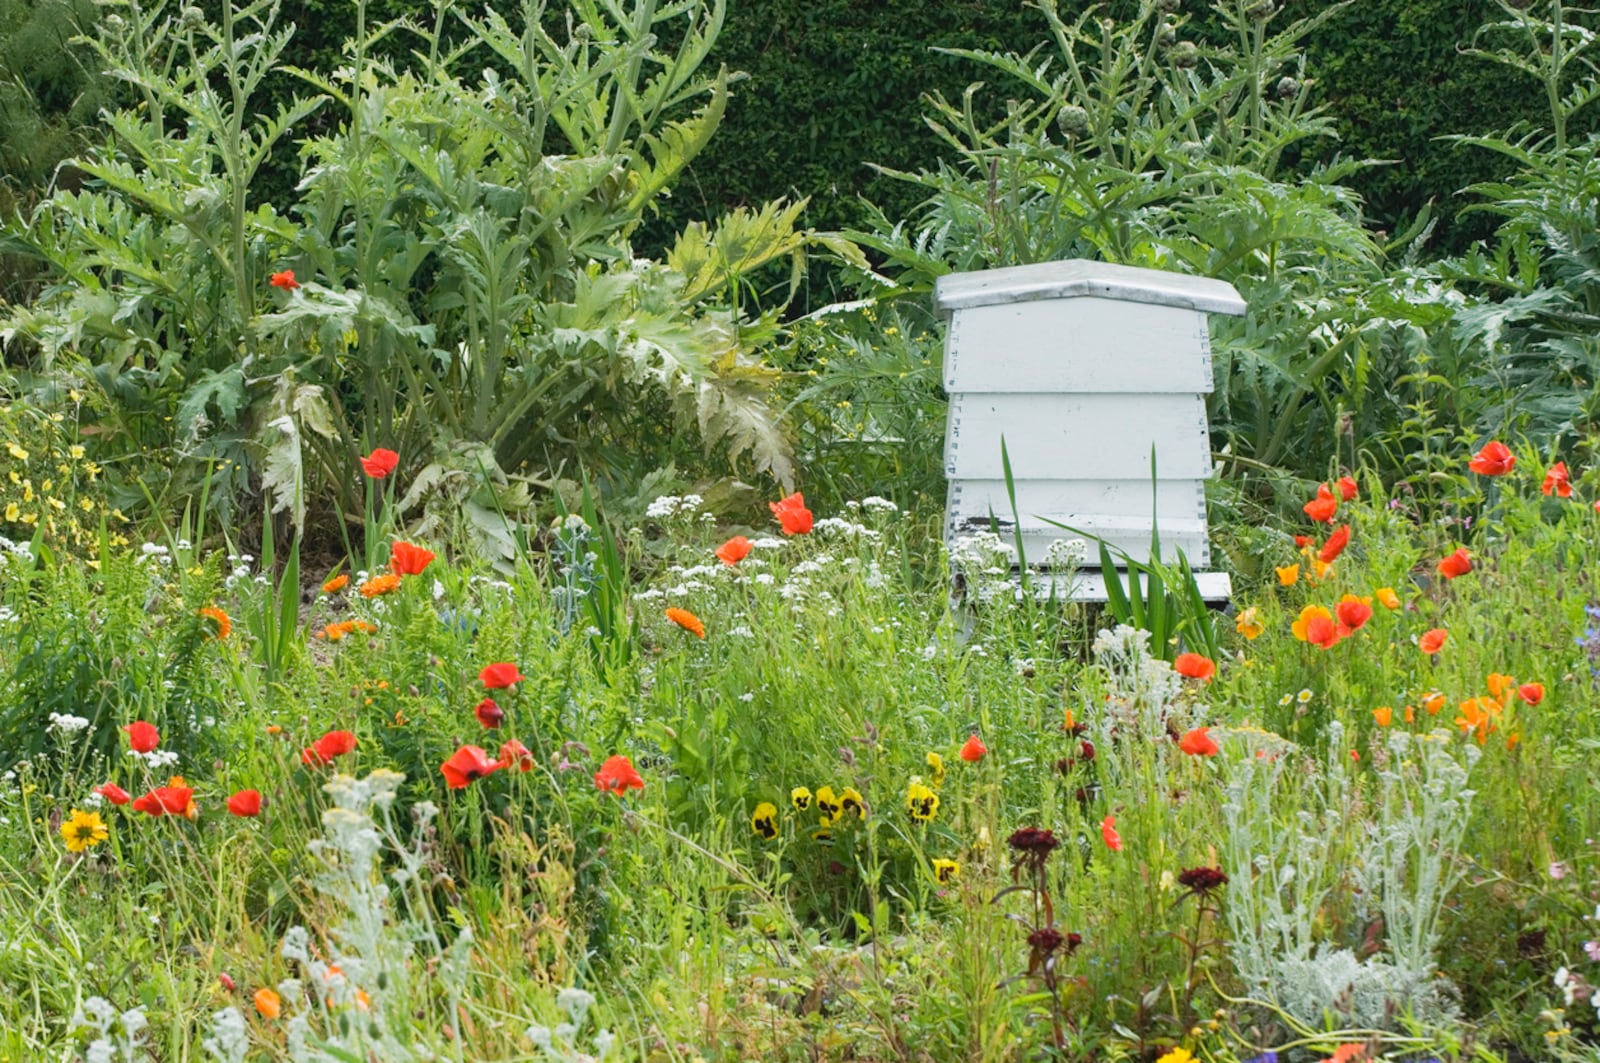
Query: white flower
point(67, 724)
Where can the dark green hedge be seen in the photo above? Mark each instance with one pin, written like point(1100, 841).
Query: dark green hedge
point(836, 84)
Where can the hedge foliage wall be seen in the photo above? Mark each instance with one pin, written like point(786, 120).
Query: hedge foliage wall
point(835, 85)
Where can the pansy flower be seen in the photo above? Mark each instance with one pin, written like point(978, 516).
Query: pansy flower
point(921, 802)
point(945, 871)
point(764, 820)
point(827, 805)
point(800, 797)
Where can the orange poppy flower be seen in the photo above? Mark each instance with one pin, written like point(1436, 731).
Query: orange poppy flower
point(245, 803)
point(467, 765)
point(1557, 482)
point(1532, 693)
point(335, 584)
point(1498, 683)
point(409, 560)
point(1334, 546)
point(142, 737)
point(378, 586)
point(1195, 666)
point(1456, 564)
point(973, 750)
point(1316, 625)
point(1432, 641)
point(1353, 611)
point(686, 620)
point(734, 550)
point(1495, 459)
point(617, 776)
point(1288, 574)
point(1477, 718)
point(1384, 716)
point(268, 1003)
point(1108, 831)
point(1387, 597)
point(224, 625)
point(380, 463)
point(1198, 743)
point(1322, 508)
point(500, 675)
point(792, 514)
point(284, 280)
point(1434, 702)
point(1347, 488)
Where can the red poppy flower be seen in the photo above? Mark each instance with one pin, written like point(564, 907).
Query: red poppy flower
point(792, 514)
point(617, 776)
point(113, 793)
point(1557, 482)
point(467, 765)
point(688, 621)
point(514, 753)
point(331, 745)
point(1352, 612)
point(1335, 545)
point(734, 550)
point(408, 560)
point(1198, 743)
point(1108, 831)
point(1322, 508)
point(500, 675)
point(169, 800)
point(1195, 666)
point(284, 280)
point(143, 737)
point(245, 803)
point(1302, 541)
point(1457, 564)
point(1432, 641)
point(973, 750)
point(1347, 488)
point(380, 463)
point(1495, 459)
point(1532, 693)
point(489, 714)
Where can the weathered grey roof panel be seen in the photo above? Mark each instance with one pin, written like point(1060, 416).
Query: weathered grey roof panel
point(1083, 277)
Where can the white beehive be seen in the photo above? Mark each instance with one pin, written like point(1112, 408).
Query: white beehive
point(1082, 367)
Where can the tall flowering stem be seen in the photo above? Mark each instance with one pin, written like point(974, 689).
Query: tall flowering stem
point(1047, 945)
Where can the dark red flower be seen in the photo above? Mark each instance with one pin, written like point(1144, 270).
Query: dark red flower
point(1202, 880)
point(489, 714)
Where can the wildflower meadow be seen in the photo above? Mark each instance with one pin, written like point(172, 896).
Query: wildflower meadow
point(441, 618)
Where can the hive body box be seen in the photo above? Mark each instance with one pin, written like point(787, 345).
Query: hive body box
point(1082, 367)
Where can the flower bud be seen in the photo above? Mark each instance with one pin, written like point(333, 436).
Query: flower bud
point(1185, 55)
point(1073, 121)
point(1288, 87)
point(1169, 7)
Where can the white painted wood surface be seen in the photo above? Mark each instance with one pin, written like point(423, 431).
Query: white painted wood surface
point(1090, 586)
point(1082, 368)
point(1068, 436)
point(1077, 345)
